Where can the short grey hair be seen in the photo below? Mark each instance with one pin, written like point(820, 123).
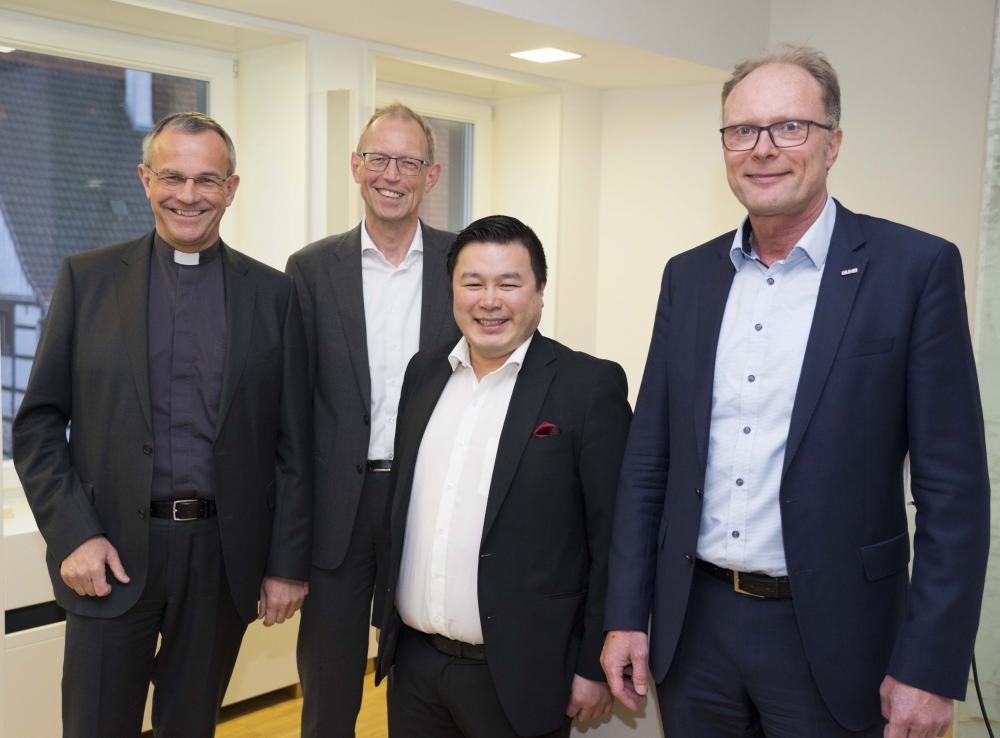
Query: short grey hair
point(403, 112)
point(810, 59)
point(189, 122)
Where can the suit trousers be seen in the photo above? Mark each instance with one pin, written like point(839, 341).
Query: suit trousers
point(434, 694)
point(332, 650)
point(740, 671)
point(109, 662)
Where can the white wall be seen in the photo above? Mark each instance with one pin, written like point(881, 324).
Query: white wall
point(526, 145)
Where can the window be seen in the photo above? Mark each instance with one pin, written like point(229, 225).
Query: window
point(70, 138)
point(448, 206)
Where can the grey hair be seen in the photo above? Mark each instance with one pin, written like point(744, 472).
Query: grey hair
point(189, 123)
point(398, 110)
point(811, 60)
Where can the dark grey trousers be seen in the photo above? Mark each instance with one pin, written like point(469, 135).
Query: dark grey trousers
point(332, 649)
point(110, 662)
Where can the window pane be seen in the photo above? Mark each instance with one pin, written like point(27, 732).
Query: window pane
point(448, 205)
point(70, 138)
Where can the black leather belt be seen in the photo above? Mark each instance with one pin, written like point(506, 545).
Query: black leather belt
point(182, 511)
point(458, 649)
point(751, 584)
point(379, 465)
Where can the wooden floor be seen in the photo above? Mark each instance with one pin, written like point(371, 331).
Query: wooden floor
point(277, 715)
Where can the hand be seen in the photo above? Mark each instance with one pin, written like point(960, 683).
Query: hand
point(912, 712)
point(622, 649)
point(588, 700)
point(84, 569)
point(280, 598)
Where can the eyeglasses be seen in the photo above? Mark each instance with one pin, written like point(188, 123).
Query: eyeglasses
point(176, 181)
point(407, 165)
point(784, 134)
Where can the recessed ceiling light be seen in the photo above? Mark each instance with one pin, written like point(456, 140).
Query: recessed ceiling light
point(6, 49)
point(546, 55)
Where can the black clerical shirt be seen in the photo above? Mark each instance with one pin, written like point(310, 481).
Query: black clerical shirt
point(186, 325)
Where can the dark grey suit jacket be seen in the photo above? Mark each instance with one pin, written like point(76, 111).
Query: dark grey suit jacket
point(327, 276)
point(91, 370)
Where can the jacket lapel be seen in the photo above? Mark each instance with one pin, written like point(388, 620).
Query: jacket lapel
point(530, 389)
point(348, 291)
point(435, 300)
point(711, 306)
point(132, 292)
point(241, 292)
point(833, 307)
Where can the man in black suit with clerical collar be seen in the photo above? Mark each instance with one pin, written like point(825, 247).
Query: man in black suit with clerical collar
point(178, 508)
point(507, 454)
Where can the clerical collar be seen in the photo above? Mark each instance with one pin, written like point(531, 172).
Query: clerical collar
point(184, 258)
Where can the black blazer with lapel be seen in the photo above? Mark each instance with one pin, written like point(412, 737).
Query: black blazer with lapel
point(543, 556)
point(327, 275)
point(888, 370)
point(91, 371)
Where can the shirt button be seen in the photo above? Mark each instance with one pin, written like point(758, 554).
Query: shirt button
point(751, 378)
point(770, 280)
point(746, 428)
point(736, 534)
point(758, 327)
point(739, 482)
point(147, 449)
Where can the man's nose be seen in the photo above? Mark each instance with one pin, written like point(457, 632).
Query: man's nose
point(187, 192)
point(765, 145)
point(489, 299)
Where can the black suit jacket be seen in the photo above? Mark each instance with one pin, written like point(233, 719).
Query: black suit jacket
point(543, 557)
point(91, 371)
point(327, 275)
point(888, 370)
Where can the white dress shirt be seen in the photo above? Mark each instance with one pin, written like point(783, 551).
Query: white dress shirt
point(761, 347)
point(392, 325)
point(438, 589)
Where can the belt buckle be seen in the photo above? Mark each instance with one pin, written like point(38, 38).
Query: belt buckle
point(182, 519)
point(738, 588)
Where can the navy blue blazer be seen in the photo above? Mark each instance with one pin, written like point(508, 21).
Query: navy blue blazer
point(888, 371)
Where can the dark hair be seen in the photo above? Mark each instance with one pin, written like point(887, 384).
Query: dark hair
point(809, 59)
point(189, 123)
point(502, 229)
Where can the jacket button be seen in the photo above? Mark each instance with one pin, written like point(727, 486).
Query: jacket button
point(142, 513)
point(360, 468)
point(147, 449)
point(367, 419)
point(690, 558)
point(697, 491)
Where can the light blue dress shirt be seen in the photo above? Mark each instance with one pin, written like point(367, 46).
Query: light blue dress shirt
point(758, 360)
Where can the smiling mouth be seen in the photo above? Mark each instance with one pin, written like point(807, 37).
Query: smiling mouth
point(389, 193)
point(187, 213)
point(491, 323)
point(767, 177)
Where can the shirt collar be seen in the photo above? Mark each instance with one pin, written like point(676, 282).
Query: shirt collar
point(166, 252)
point(815, 242)
point(459, 355)
point(416, 245)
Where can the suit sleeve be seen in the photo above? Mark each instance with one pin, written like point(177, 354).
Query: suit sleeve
point(605, 429)
point(950, 486)
point(62, 508)
point(291, 541)
point(642, 487)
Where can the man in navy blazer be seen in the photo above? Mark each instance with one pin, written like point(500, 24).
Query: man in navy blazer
point(761, 514)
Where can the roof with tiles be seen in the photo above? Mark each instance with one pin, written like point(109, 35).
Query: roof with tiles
point(68, 153)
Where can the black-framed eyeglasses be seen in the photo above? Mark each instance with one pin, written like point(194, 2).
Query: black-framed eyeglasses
point(407, 165)
point(784, 134)
point(176, 181)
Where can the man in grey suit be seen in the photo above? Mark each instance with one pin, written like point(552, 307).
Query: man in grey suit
point(370, 297)
point(178, 508)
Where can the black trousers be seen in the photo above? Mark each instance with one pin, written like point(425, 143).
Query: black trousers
point(332, 649)
point(740, 671)
point(109, 662)
point(433, 694)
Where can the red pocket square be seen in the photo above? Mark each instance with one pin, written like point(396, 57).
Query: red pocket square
point(546, 429)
